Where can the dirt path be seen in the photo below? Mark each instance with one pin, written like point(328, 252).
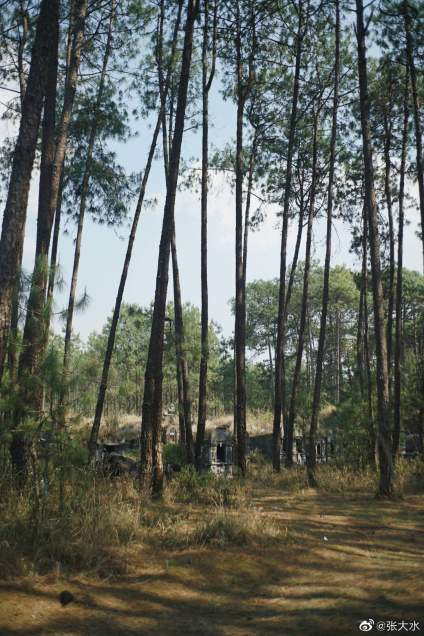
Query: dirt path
point(344, 559)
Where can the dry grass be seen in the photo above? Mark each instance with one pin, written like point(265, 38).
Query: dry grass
point(268, 556)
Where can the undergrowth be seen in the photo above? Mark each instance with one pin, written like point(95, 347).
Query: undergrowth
point(97, 522)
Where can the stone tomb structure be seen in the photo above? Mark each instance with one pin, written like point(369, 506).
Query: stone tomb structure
point(218, 451)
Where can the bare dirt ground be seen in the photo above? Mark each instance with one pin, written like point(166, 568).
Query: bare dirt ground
point(344, 559)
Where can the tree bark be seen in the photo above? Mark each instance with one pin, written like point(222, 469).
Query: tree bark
point(30, 392)
point(34, 336)
point(14, 218)
point(81, 214)
point(416, 107)
point(384, 436)
point(281, 321)
point(388, 196)
point(399, 281)
point(240, 308)
point(207, 79)
point(367, 356)
point(311, 455)
point(289, 429)
point(182, 367)
point(151, 464)
point(92, 444)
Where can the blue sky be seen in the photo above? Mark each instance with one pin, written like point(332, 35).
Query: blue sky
point(103, 249)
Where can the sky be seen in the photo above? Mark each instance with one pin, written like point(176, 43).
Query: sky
point(103, 248)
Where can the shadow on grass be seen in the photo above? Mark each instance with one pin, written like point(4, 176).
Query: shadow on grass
point(370, 565)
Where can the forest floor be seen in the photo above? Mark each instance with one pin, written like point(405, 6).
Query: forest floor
point(341, 558)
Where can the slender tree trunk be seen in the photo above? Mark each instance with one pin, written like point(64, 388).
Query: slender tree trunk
point(338, 358)
point(311, 454)
point(240, 308)
point(181, 354)
point(416, 107)
point(384, 436)
point(151, 464)
point(271, 372)
point(14, 218)
point(92, 444)
point(289, 429)
point(388, 196)
point(372, 447)
point(281, 322)
point(181, 367)
point(360, 333)
point(399, 282)
point(207, 79)
point(81, 214)
point(53, 260)
point(180, 397)
point(21, 49)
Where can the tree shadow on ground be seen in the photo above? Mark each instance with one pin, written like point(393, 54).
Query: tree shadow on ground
point(344, 560)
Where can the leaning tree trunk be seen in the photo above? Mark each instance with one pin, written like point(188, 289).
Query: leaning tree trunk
point(384, 436)
point(181, 367)
point(92, 444)
point(289, 429)
point(311, 455)
point(281, 322)
point(81, 214)
point(416, 107)
point(399, 282)
point(151, 464)
point(14, 218)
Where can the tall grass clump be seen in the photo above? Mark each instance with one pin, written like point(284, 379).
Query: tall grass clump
point(207, 489)
point(81, 529)
point(230, 529)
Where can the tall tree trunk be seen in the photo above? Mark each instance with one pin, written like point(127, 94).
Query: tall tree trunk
point(14, 218)
point(360, 334)
point(81, 214)
point(338, 358)
point(281, 321)
point(372, 447)
point(151, 464)
point(207, 79)
point(33, 336)
point(30, 394)
point(92, 444)
point(384, 436)
point(399, 281)
point(21, 50)
point(182, 365)
point(311, 454)
point(388, 196)
point(240, 307)
point(416, 107)
point(289, 428)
